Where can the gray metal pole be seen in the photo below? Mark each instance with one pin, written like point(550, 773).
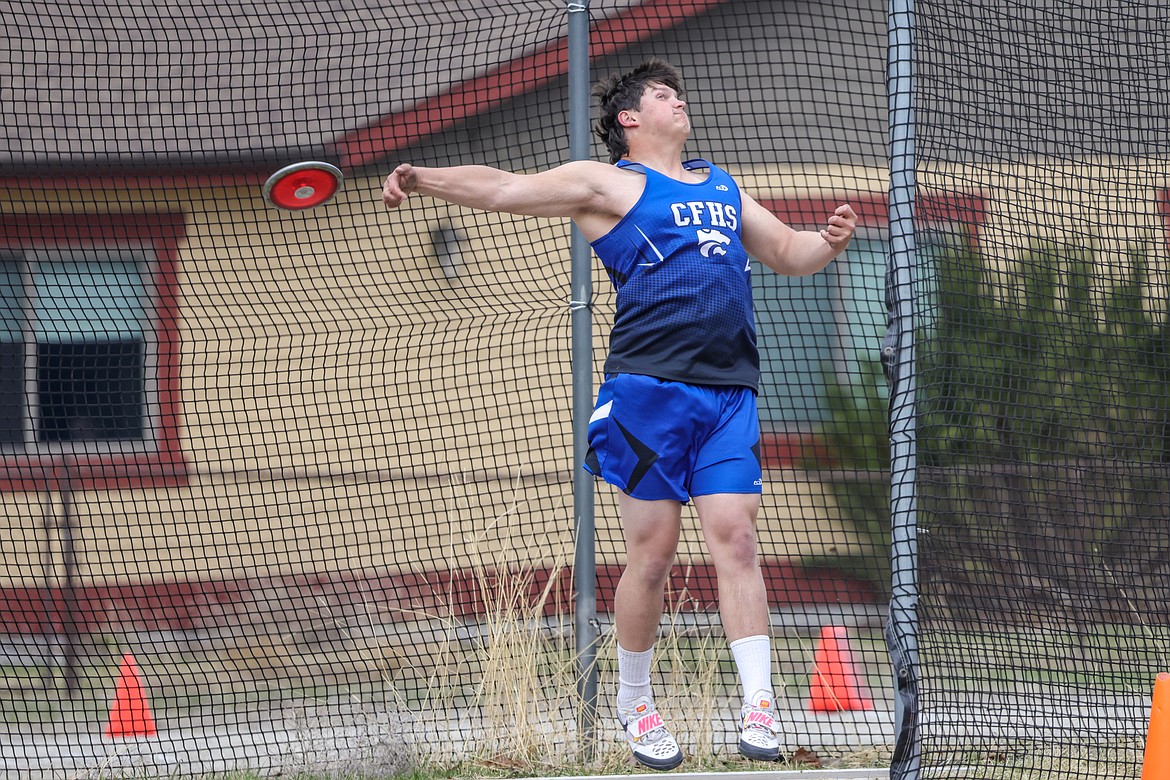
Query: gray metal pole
point(898, 357)
point(581, 258)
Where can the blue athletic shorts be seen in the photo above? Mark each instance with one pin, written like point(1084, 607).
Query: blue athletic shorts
point(656, 439)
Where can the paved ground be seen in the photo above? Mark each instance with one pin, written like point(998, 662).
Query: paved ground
point(343, 736)
point(198, 756)
point(370, 744)
point(379, 744)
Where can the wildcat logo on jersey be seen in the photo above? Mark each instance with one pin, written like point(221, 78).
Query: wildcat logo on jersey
point(711, 242)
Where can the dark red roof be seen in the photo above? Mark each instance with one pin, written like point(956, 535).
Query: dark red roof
point(100, 85)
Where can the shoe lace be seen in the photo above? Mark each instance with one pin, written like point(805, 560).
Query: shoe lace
point(656, 735)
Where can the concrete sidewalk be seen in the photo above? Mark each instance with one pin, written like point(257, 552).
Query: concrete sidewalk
point(374, 745)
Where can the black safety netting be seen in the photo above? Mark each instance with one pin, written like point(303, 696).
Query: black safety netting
point(1042, 395)
point(291, 490)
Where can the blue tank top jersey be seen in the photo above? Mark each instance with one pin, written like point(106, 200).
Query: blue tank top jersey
point(683, 279)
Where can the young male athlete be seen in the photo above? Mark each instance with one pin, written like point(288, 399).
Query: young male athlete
point(676, 417)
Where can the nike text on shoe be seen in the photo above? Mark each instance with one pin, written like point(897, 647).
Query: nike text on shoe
point(759, 733)
point(651, 743)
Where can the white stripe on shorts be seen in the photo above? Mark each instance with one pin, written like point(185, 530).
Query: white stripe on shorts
point(601, 412)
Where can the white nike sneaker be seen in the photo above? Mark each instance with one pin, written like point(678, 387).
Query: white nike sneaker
point(759, 732)
point(649, 739)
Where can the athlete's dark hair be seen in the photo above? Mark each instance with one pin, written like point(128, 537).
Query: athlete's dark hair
point(623, 93)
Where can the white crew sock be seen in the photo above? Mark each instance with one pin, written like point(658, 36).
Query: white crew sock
point(753, 659)
point(633, 677)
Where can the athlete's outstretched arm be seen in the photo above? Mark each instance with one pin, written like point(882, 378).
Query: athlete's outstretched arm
point(795, 252)
point(565, 191)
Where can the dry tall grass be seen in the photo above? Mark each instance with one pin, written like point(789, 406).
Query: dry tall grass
point(526, 706)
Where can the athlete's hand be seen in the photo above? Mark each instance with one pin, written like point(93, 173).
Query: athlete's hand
point(840, 228)
point(402, 181)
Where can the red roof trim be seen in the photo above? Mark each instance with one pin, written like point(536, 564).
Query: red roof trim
point(457, 594)
point(397, 131)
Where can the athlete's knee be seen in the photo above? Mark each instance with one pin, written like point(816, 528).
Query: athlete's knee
point(733, 544)
point(649, 570)
point(729, 526)
point(740, 549)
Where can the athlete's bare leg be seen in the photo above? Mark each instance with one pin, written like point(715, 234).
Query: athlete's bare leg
point(652, 530)
point(728, 521)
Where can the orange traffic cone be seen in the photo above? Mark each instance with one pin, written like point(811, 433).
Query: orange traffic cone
point(835, 685)
point(1157, 762)
point(130, 714)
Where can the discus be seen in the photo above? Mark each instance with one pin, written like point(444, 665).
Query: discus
point(303, 185)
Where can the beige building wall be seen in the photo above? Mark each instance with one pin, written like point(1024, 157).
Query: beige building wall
point(349, 408)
